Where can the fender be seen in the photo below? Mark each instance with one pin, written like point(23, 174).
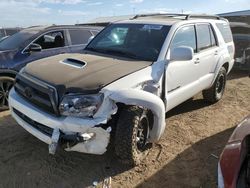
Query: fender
point(220, 63)
point(144, 99)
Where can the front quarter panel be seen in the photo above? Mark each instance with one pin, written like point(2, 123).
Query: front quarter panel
point(142, 88)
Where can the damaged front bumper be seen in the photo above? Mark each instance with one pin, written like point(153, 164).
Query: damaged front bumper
point(81, 135)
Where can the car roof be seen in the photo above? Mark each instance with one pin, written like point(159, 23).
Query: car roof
point(151, 21)
point(170, 19)
point(42, 28)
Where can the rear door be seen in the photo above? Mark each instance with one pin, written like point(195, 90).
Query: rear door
point(207, 54)
point(78, 39)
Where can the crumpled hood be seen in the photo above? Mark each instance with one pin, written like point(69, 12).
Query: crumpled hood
point(6, 56)
point(82, 72)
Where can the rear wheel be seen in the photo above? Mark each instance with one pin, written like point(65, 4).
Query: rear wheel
point(6, 84)
point(215, 93)
point(131, 136)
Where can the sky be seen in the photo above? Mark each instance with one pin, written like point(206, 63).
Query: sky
point(24, 13)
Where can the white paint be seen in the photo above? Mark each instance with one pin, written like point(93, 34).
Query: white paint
point(96, 145)
point(65, 124)
point(30, 129)
point(147, 100)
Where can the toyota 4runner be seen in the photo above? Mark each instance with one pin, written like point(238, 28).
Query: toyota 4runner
point(128, 77)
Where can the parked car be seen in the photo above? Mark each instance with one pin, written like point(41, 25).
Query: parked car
point(241, 36)
point(234, 164)
point(3, 38)
point(35, 43)
point(129, 76)
point(8, 31)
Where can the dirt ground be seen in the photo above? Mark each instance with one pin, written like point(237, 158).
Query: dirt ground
point(186, 156)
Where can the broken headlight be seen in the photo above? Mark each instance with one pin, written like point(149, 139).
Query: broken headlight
point(80, 105)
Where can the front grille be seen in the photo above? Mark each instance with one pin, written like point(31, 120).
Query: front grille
point(42, 128)
point(37, 93)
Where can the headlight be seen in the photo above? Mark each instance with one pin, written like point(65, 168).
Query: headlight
point(80, 105)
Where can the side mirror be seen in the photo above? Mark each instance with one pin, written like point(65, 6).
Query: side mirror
point(34, 48)
point(90, 39)
point(182, 53)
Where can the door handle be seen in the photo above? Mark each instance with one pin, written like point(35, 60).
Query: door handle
point(197, 60)
point(216, 52)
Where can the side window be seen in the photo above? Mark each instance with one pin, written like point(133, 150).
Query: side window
point(53, 39)
point(185, 37)
point(203, 36)
point(79, 36)
point(213, 41)
point(225, 31)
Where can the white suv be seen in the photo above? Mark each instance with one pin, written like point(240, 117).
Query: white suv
point(128, 77)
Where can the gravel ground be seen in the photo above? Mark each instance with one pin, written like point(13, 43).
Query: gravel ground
point(186, 156)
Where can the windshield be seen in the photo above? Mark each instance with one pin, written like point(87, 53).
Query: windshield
point(138, 41)
point(14, 41)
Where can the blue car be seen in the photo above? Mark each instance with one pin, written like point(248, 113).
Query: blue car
point(35, 43)
point(5, 32)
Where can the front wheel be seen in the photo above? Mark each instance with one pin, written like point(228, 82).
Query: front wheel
point(215, 93)
point(6, 84)
point(131, 135)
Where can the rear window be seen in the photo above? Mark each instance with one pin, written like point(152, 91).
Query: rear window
point(203, 35)
point(225, 31)
point(16, 40)
point(1, 34)
point(11, 31)
point(213, 40)
point(79, 36)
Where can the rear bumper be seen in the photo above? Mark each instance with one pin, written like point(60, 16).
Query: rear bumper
point(66, 125)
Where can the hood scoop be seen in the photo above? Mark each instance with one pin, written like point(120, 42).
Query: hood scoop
point(74, 63)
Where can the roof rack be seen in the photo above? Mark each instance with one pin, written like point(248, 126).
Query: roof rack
point(203, 16)
point(157, 14)
point(181, 16)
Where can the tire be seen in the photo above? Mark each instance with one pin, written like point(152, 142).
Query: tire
point(6, 84)
point(215, 93)
point(131, 135)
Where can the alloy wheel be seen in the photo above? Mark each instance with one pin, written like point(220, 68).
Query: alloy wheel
point(5, 86)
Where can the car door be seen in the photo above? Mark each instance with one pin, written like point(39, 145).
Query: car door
point(52, 43)
point(207, 54)
point(79, 39)
point(181, 76)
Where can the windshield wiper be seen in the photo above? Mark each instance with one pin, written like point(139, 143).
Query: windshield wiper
point(95, 50)
point(117, 52)
point(123, 53)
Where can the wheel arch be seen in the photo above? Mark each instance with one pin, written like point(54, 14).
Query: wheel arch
point(226, 66)
point(147, 100)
